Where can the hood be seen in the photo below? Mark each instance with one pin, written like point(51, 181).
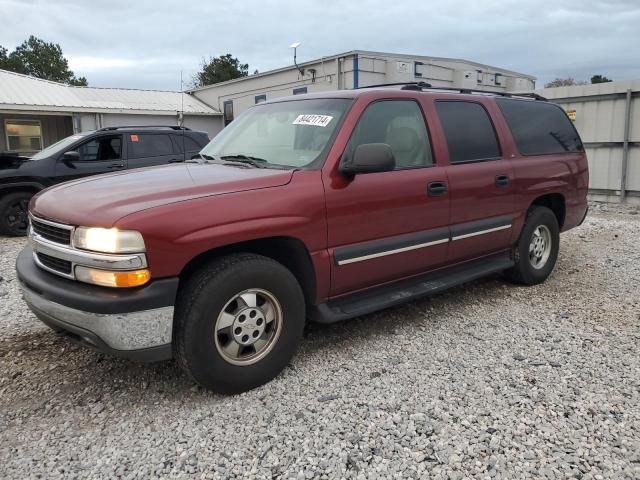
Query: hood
point(102, 200)
point(10, 161)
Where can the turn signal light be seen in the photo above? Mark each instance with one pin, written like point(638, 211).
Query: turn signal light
point(110, 278)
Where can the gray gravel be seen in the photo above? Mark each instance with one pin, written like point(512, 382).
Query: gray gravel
point(489, 380)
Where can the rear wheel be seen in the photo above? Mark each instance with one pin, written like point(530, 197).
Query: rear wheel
point(536, 252)
point(238, 322)
point(14, 208)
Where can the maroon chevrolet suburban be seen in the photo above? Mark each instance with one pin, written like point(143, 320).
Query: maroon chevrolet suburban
point(320, 207)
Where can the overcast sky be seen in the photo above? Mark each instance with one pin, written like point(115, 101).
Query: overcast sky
point(145, 44)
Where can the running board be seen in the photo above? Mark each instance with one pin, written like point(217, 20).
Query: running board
point(407, 290)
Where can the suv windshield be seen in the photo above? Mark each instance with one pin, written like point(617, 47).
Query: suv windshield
point(57, 147)
point(290, 134)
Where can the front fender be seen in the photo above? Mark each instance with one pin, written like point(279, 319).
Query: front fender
point(176, 233)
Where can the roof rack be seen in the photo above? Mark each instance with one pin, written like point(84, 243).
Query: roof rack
point(172, 127)
point(535, 96)
point(421, 86)
point(405, 85)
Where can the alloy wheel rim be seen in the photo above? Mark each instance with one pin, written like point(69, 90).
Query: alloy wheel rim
point(16, 215)
point(248, 327)
point(540, 247)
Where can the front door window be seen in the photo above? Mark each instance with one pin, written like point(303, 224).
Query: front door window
point(399, 124)
point(104, 148)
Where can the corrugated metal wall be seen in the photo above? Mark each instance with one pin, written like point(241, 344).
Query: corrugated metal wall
point(608, 120)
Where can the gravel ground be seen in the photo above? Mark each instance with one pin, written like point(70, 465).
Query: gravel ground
point(489, 380)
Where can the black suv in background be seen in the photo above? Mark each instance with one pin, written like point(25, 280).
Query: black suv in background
point(101, 151)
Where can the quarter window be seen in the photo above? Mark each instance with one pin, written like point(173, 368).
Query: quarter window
point(189, 144)
point(23, 135)
point(468, 130)
point(540, 128)
point(104, 148)
point(400, 124)
point(146, 145)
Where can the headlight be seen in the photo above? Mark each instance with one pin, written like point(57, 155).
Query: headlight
point(108, 240)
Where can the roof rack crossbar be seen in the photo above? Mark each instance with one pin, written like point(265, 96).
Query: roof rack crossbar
point(530, 95)
point(416, 85)
point(470, 91)
point(172, 127)
point(427, 86)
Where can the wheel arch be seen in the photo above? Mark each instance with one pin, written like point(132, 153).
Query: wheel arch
point(554, 202)
point(289, 251)
point(30, 187)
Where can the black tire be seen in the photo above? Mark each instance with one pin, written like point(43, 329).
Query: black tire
point(203, 299)
point(523, 271)
point(14, 210)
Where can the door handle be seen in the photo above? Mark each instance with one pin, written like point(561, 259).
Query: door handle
point(502, 180)
point(176, 160)
point(116, 165)
point(436, 189)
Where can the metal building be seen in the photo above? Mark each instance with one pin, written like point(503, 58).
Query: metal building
point(35, 113)
point(355, 69)
point(607, 116)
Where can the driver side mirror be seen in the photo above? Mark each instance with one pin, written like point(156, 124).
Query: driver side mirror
point(69, 157)
point(369, 158)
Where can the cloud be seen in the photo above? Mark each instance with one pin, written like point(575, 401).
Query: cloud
point(93, 64)
point(146, 44)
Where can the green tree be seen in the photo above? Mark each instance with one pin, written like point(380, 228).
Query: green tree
point(40, 59)
point(220, 69)
point(600, 79)
point(564, 82)
point(3, 57)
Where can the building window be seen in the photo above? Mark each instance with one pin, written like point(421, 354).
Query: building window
point(227, 110)
point(498, 79)
point(300, 90)
point(261, 98)
point(23, 135)
point(416, 73)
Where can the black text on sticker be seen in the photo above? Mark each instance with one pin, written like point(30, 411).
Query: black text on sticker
point(314, 120)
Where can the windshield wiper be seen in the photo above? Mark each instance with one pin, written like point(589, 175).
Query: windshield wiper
point(201, 158)
point(242, 158)
point(236, 158)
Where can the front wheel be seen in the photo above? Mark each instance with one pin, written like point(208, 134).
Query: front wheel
point(536, 252)
point(238, 322)
point(14, 209)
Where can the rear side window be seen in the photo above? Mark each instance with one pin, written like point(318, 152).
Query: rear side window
point(468, 130)
point(400, 124)
point(146, 145)
point(539, 127)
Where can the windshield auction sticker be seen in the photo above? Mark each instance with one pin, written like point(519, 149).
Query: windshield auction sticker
point(314, 120)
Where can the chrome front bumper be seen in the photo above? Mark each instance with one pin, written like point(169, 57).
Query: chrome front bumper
point(122, 331)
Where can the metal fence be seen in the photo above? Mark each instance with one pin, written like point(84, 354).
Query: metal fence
point(607, 116)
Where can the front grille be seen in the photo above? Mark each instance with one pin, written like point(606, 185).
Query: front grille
point(57, 264)
point(50, 232)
